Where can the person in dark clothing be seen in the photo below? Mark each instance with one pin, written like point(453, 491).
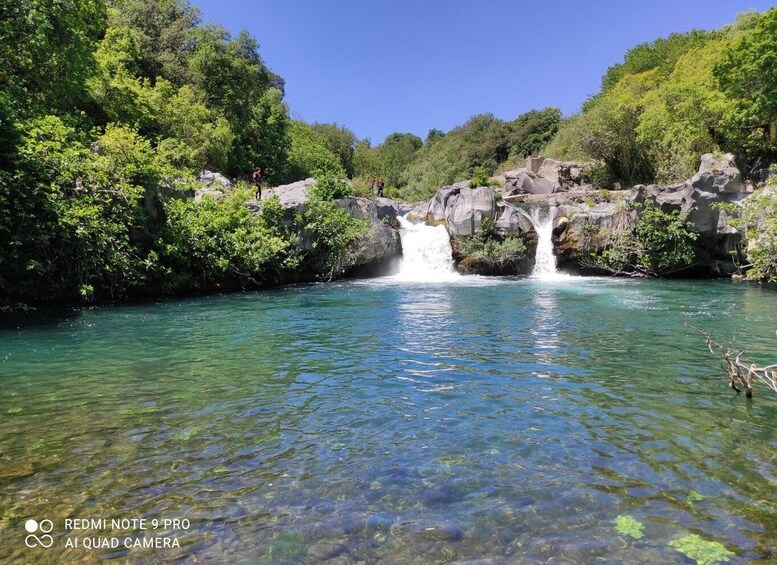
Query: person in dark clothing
point(380, 188)
point(256, 178)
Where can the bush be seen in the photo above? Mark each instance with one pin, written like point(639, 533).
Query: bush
point(220, 243)
point(759, 217)
point(330, 184)
point(333, 231)
point(659, 243)
point(488, 252)
point(480, 177)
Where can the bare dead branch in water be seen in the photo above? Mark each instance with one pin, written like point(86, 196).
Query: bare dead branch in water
point(738, 372)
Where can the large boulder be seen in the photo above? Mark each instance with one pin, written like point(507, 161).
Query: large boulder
point(466, 209)
point(214, 180)
point(292, 195)
point(718, 174)
point(580, 227)
point(461, 208)
point(201, 193)
point(376, 252)
point(418, 212)
point(565, 174)
point(668, 198)
point(387, 210)
point(718, 180)
point(524, 181)
point(358, 207)
point(439, 202)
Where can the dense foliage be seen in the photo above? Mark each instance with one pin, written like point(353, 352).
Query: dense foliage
point(674, 99)
point(489, 253)
point(759, 218)
point(107, 112)
point(658, 243)
point(110, 108)
point(484, 143)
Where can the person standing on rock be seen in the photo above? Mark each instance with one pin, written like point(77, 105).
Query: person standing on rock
point(380, 188)
point(256, 178)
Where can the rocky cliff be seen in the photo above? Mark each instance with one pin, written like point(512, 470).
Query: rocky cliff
point(587, 216)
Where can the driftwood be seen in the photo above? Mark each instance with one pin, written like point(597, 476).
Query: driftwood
point(738, 372)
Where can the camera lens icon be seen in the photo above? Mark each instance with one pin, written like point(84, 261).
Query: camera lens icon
point(32, 527)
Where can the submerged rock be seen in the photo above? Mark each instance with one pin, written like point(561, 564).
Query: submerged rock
point(16, 471)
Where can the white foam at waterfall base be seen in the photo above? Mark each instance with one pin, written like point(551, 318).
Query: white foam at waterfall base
point(426, 254)
point(544, 258)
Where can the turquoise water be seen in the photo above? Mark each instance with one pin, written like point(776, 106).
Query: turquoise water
point(511, 420)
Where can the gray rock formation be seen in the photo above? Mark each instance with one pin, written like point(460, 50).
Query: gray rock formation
point(718, 180)
point(525, 181)
point(439, 202)
point(377, 248)
point(718, 174)
point(201, 193)
point(387, 210)
point(561, 173)
point(213, 185)
point(291, 195)
point(460, 207)
point(214, 180)
point(465, 210)
point(418, 212)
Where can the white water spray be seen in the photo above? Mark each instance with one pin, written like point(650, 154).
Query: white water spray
point(544, 259)
point(426, 253)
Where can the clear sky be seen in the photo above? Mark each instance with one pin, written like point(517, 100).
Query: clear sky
point(379, 66)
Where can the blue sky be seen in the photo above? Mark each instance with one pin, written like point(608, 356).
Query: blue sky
point(379, 66)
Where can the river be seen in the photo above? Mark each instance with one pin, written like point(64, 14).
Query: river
point(392, 421)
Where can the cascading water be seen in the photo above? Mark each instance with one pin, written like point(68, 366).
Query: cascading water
point(426, 253)
point(544, 259)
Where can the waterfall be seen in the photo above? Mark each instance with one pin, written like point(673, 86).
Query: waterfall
point(544, 259)
point(426, 253)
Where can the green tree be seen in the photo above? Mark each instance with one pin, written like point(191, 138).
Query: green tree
point(220, 243)
point(265, 141)
point(366, 159)
point(680, 117)
point(117, 86)
point(163, 31)
point(396, 153)
point(339, 140)
point(193, 136)
point(660, 54)
point(228, 73)
point(46, 51)
point(91, 228)
point(747, 75)
point(759, 218)
point(532, 131)
point(308, 153)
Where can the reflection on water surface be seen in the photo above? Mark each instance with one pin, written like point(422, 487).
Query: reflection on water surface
point(389, 422)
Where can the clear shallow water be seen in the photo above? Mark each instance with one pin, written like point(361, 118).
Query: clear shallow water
point(395, 423)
